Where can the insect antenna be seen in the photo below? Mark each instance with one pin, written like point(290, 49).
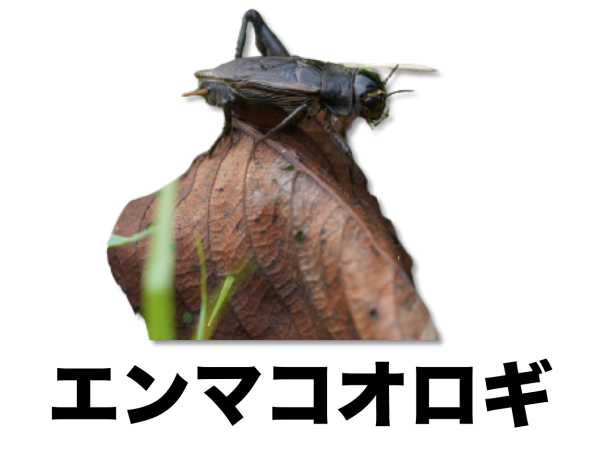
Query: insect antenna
point(390, 74)
point(401, 90)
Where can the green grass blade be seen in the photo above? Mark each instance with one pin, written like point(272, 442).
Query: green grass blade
point(212, 307)
point(157, 286)
point(221, 299)
point(116, 240)
point(202, 326)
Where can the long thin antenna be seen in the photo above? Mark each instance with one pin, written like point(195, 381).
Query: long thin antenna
point(390, 74)
point(401, 90)
point(410, 67)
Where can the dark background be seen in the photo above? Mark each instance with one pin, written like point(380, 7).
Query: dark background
point(152, 133)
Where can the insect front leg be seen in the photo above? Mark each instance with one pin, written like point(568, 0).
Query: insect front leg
point(267, 43)
point(341, 144)
point(296, 116)
point(227, 128)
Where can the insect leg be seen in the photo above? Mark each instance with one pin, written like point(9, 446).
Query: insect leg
point(341, 144)
point(227, 128)
point(267, 43)
point(296, 116)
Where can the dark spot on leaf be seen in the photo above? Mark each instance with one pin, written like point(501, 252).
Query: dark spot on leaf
point(220, 189)
point(373, 313)
point(187, 317)
point(323, 242)
point(257, 219)
point(275, 217)
point(263, 231)
point(299, 237)
point(212, 281)
point(323, 230)
point(194, 266)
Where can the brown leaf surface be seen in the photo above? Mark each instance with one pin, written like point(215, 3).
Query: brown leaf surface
point(337, 160)
point(323, 264)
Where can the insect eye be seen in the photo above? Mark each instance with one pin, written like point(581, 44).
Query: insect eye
point(369, 102)
point(380, 98)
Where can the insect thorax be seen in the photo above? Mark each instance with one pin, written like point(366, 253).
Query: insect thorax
point(337, 89)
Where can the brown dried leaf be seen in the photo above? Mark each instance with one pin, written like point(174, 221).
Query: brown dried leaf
point(314, 129)
point(322, 264)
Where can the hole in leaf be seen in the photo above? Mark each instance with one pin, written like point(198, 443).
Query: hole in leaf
point(187, 317)
point(299, 237)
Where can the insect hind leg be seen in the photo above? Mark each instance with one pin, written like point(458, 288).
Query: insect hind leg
point(267, 43)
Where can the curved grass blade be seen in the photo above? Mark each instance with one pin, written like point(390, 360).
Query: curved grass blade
point(116, 240)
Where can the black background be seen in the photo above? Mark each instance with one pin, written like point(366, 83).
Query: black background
point(150, 134)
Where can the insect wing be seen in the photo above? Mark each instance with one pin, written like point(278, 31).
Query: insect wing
point(289, 85)
point(242, 68)
point(285, 82)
